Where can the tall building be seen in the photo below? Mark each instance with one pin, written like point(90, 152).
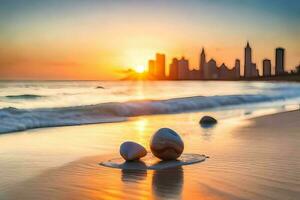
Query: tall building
point(256, 73)
point(266, 67)
point(254, 70)
point(194, 74)
point(201, 64)
point(183, 69)
point(160, 66)
point(151, 67)
point(210, 70)
point(279, 61)
point(223, 72)
point(248, 62)
point(237, 68)
point(174, 69)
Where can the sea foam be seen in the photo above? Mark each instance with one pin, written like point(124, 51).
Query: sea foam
point(13, 119)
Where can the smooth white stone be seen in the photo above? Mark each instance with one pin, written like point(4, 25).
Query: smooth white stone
point(166, 144)
point(132, 151)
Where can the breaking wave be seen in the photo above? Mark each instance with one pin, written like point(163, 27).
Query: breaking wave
point(13, 119)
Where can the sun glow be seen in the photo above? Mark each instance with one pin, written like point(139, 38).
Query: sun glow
point(140, 69)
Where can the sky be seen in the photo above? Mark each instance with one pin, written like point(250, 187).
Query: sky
point(98, 40)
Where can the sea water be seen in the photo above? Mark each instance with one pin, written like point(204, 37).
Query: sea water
point(38, 104)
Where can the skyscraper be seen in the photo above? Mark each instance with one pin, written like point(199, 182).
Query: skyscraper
point(194, 74)
point(201, 64)
point(183, 69)
point(237, 68)
point(223, 72)
point(254, 72)
point(248, 61)
point(160, 66)
point(151, 67)
point(174, 69)
point(279, 61)
point(210, 70)
point(266, 67)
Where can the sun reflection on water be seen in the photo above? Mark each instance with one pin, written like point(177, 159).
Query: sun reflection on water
point(142, 134)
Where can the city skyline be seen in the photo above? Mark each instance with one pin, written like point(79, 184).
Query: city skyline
point(98, 40)
point(179, 68)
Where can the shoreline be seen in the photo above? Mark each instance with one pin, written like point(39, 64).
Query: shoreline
point(263, 117)
point(277, 122)
point(273, 78)
point(285, 78)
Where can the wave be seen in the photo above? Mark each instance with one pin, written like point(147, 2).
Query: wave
point(24, 96)
point(13, 119)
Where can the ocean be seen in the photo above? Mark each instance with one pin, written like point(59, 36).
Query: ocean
point(38, 104)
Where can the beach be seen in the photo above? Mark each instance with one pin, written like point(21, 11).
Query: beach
point(158, 100)
point(250, 158)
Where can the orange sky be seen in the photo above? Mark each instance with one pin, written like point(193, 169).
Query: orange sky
point(97, 40)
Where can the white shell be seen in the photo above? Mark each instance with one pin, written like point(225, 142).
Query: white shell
point(132, 151)
point(166, 144)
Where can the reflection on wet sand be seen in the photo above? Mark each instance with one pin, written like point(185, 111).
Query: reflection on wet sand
point(167, 183)
point(207, 131)
point(134, 176)
point(207, 126)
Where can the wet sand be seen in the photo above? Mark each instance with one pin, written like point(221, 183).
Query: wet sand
point(249, 159)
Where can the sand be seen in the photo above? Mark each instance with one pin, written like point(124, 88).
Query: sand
point(249, 159)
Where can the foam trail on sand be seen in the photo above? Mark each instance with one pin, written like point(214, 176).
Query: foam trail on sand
point(13, 119)
point(152, 163)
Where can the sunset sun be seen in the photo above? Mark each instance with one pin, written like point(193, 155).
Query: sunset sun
point(140, 69)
